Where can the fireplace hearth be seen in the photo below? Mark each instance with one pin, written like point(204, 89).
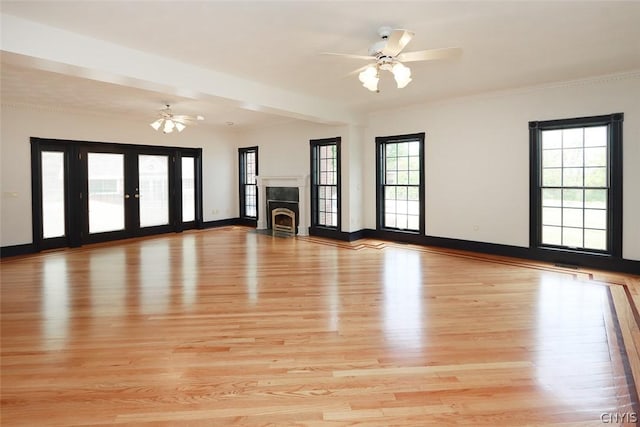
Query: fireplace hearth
point(287, 192)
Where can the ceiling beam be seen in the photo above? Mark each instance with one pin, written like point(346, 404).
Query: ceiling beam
point(48, 48)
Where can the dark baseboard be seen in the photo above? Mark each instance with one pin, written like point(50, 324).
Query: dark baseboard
point(246, 221)
point(221, 223)
point(574, 259)
point(16, 250)
point(331, 233)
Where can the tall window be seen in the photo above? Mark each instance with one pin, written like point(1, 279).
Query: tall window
point(188, 171)
point(248, 189)
point(576, 180)
point(400, 179)
point(325, 182)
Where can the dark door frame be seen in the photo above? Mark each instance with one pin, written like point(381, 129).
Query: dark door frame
point(76, 190)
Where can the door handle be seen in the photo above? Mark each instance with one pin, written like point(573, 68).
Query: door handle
point(137, 196)
point(126, 196)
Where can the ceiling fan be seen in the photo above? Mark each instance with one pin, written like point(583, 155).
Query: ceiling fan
point(387, 55)
point(169, 121)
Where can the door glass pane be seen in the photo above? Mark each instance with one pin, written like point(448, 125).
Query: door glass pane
point(52, 194)
point(154, 190)
point(188, 189)
point(106, 192)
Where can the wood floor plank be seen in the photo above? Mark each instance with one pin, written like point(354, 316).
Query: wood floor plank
point(232, 327)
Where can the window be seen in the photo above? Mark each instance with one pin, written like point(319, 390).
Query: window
point(325, 183)
point(248, 188)
point(188, 172)
point(400, 179)
point(576, 178)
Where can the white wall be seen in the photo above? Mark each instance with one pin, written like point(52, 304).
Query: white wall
point(20, 123)
point(284, 151)
point(477, 158)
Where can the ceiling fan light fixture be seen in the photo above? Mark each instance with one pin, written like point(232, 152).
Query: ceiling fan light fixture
point(369, 78)
point(180, 126)
point(402, 74)
point(168, 126)
point(156, 125)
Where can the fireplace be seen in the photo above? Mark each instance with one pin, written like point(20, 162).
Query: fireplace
point(288, 192)
point(283, 220)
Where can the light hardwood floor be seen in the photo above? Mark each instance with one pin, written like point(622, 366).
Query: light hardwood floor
point(231, 327)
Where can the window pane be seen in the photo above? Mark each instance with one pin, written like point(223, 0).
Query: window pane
point(572, 157)
point(414, 208)
point(572, 198)
point(154, 190)
point(595, 136)
point(551, 235)
point(390, 206)
point(552, 177)
point(551, 216)
point(572, 177)
point(403, 178)
point(414, 178)
point(106, 203)
point(403, 163)
point(391, 150)
point(551, 139)
point(595, 218)
point(392, 164)
point(390, 220)
point(552, 158)
point(188, 189)
point(595, 199)
point(551, 197)
point(401, 193)
point(596, 156)
point(53, 219)
point(414, 164)
point(572, 137)
point(595, 177)
point(572, 237)
point(392, 178)
point(413, 193)
point(413, 222)
point(572, 217)
point(595, 239)
point(414, 149)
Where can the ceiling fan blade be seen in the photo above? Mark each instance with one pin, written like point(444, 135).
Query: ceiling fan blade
point(181, 117)
point(357, 70)
point(347, 55)
point(431, 54)
point(396, 42)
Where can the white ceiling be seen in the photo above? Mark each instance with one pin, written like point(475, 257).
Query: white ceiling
point(505, 45)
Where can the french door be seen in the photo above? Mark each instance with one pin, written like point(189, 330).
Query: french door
point(94, 192)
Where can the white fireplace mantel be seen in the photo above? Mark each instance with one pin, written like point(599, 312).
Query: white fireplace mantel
point(283, 181)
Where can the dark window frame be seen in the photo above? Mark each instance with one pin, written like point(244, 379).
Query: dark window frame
point(381, 142)
point(614, 199)
point(315, 145)
point(242, 184)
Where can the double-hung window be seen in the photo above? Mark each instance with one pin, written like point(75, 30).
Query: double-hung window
point(400, 179)
point(576, 182)
point(248, 185)
point(325, 183)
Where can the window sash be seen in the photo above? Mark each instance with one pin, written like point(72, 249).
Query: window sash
point(575, 185)
point(248, 182)
point(325, 174)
